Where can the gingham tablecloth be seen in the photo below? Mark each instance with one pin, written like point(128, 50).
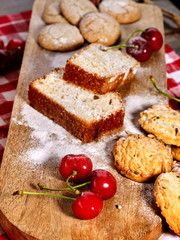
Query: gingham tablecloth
point(16, 26)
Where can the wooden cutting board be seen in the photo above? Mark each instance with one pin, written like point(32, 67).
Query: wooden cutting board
point(35, 146)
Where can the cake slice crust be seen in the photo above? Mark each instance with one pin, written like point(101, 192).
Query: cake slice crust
point(99, 70)
point(82, 113)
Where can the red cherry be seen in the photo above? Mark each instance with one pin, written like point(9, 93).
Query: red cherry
point(14, 50)
point(102, 183)
point(143, 51)
point(154, 37)
point(2, 237)
point(1, 44)
point(88, 205)
point(80, 163)
point(15, 44)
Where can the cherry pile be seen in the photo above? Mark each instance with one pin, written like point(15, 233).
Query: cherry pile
point(141, 47)
point(11, 55)
point(77, 169)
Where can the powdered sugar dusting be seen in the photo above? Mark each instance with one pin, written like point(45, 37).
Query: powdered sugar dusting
point(51, 141)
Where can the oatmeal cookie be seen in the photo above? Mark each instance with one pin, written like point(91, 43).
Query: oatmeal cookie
point(74, 10)
point(125, 11)
point(163, 122)
point(60, 37)
point(175, 152)
point(52, 13)
point(101, 28)
point(167, 195)
point(141, 158)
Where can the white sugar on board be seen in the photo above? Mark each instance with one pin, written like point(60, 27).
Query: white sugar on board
point(52, 142)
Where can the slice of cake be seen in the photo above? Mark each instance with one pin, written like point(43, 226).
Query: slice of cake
point(100, 70)
point(81, 112)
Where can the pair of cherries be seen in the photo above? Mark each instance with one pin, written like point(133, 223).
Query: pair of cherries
point(151, 40)
point(78, 169)
point(141, 47)
point(11, 55)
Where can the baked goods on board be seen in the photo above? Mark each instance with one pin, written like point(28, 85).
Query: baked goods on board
point(101, 28)
point(125, 11)
point(143, 168)
point(73, 10)
point(84, 114)
point(167, 195)
point(163, 122)
point(60, 37)
point(141, 158)
point(52, 13)
point(98, 22)
point(99, 70)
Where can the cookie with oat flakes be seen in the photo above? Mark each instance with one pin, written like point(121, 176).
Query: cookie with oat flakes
point(167, 195)
point(163, 122)
point(141, 158)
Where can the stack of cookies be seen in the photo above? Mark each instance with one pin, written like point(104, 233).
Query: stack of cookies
point(164, 123)
point(70, 23)
point(144, 158)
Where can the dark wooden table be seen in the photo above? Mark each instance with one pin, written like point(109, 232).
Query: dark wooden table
point(173, 39)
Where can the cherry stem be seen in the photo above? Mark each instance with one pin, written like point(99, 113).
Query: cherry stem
point(76, 191)
point(41, 186)
point(121, 46)
point(135, 31)
point(125, 44)
point(11, 51)
point(21, 192)
point(167, 95)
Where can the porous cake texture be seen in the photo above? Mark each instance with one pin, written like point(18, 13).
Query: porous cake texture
point(100, 70)
point(81, 112)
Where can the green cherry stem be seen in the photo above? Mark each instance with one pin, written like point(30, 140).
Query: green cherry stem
point(41, 186)
point(121, 46)
point(21, 192)
point(167, 95)
point(76, 191)
point(135, 31)
point(125, 43)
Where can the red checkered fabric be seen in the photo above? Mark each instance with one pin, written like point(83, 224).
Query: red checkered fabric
point(173, 76)
point(11, 26)
point(16, 26)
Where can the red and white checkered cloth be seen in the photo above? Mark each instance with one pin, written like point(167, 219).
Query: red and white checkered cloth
point(11, 26)
point(16, 26)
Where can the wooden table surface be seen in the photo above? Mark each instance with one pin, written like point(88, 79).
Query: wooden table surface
point(14, 6)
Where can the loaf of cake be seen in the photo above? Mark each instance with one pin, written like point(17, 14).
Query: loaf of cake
point(81, 112)
point(100, 70)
